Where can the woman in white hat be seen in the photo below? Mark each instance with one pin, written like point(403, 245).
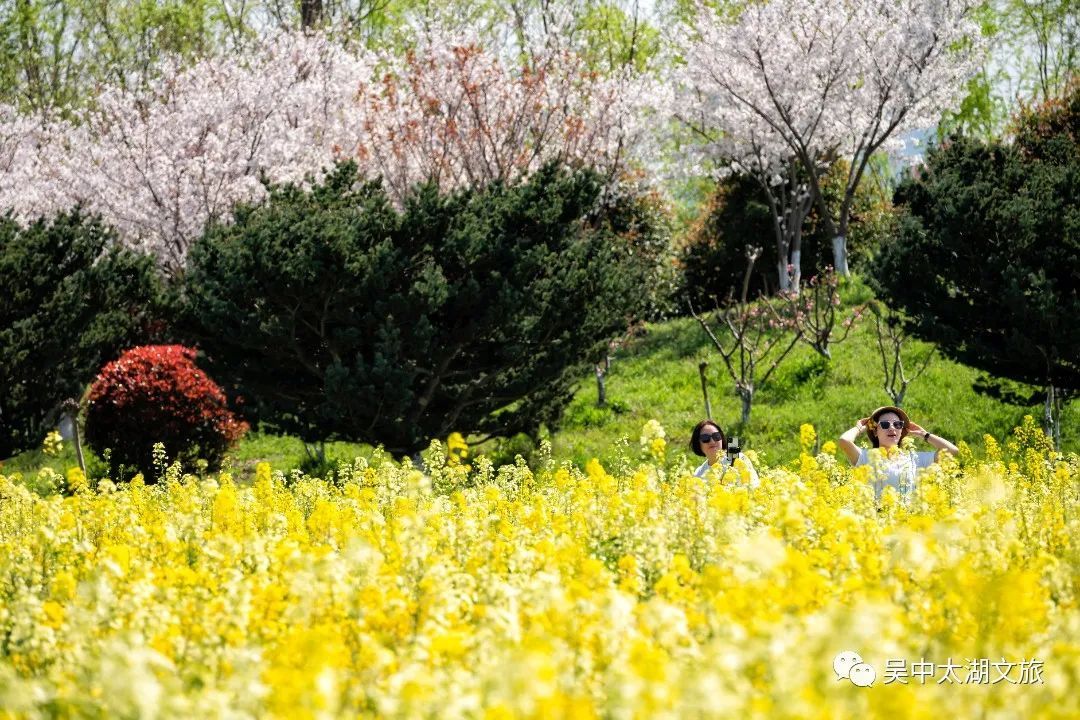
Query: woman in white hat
point(893, 467)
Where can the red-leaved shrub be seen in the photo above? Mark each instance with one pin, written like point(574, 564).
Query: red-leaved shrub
point(156, 393)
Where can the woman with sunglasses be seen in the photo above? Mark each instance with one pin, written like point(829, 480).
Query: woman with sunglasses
point(707, 440)
point(887, 427)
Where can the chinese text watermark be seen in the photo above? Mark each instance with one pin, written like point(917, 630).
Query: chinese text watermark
point(849, 665)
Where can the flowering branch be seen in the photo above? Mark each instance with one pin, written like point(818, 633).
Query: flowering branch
point(759, 335)
point(817, 311)
point(891, 337)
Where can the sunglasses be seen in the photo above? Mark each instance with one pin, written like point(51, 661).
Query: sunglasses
point(706, 437)
point(885, 424)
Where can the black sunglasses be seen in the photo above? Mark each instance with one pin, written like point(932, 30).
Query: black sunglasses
point(884, 424)
point(706, 437)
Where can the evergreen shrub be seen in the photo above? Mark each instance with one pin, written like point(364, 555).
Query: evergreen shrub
point(156, 393)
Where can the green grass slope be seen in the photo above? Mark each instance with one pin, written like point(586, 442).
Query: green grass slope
point(656, 377)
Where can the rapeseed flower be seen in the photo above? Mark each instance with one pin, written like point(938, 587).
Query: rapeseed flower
point(474, 591)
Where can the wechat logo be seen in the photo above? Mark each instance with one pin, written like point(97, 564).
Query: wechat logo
point(849, 665)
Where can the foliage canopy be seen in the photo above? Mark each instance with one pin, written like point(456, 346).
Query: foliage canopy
point(988, 256)
point(341, 316)
point(72, 299)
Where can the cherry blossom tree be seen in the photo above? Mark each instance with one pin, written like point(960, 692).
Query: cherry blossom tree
point(755, 151)
point(458, 114)
point(829, 79)
point(160, 164)
point(21, 139)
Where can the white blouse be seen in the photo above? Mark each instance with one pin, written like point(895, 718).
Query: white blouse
point(898, 471)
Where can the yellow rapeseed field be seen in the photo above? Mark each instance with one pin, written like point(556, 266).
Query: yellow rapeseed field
point(631, 591)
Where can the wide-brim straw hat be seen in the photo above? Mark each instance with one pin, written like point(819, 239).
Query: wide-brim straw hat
point(893, 409)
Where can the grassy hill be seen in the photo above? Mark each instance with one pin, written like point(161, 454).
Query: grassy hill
point(657, 377)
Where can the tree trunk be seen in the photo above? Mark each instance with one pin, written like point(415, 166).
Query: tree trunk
point(705, 389)
point(310, 13)
point(316, 452)
point(747, 397)
point(1050, 416)
point(796, 270)
point(78, 447)
point(782, 274)
point(601, 390)
point(71, 412)
point(839, 246)
point(1057, 425)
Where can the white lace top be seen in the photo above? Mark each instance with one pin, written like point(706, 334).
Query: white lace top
point(899, 471)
